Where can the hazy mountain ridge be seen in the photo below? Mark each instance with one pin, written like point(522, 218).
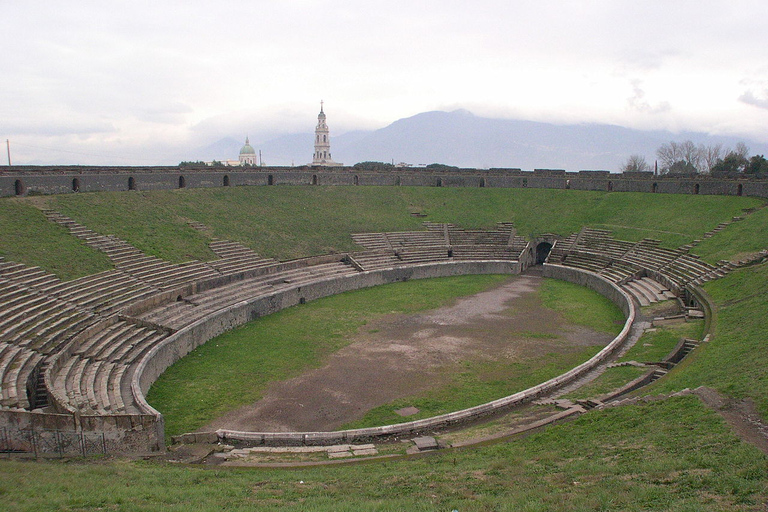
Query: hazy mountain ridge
point(460, 138)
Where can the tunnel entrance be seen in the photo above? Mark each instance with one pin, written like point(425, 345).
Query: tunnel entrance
point(542, 251)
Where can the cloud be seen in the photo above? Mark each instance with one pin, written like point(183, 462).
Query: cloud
point(638, 102)
point(174, 113)
point(759, 100)
point(55, 129)
point(647, 60)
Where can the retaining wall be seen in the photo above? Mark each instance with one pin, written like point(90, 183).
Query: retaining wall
point(23, 180)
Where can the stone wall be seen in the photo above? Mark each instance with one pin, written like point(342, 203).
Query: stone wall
point(22, 180)
point(185, 340)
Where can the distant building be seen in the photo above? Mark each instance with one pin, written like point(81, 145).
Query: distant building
point(248, 154)
point(322, 154)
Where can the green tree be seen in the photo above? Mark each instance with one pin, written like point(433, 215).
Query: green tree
point(733, 162)
point(757, 165)
point(373, 166)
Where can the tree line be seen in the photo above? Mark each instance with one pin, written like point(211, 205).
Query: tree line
point(689, 158)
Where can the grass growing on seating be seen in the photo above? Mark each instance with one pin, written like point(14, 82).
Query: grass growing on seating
point(654, 345)
point(297, 221)
point(479, 382)
point(233, 369)
point(673, 456)
point(26, 236)
point(149, 220)
point(738, 240)
point(610, 380)
point(735, 361)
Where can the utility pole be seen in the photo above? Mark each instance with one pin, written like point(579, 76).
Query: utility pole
point(8, 146)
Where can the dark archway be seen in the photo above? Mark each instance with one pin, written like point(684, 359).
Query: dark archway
point(131, 183)
point(654, 188)
point(270, 180)
point(696, 188)
point(226, 180)
point(740, 189)
point(182, 182)
point(357, 179)
point(610, 186)
point(19, 188)
point(542, 251)
point(439, 182)
point(482, 182)
point(75, 185)
point(314, 179)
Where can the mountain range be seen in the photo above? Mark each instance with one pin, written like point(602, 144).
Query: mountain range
point(463, 139)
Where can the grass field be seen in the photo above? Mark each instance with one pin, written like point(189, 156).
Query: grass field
point(672, 455)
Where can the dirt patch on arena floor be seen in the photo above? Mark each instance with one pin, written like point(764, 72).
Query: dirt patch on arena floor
point(398, 356)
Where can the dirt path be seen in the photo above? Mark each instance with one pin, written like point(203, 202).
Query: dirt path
point(402, 355)
point(741, 415)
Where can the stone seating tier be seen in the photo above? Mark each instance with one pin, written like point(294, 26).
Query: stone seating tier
point(483, 252)
point(374, 260)
point(415, 239)
point(373, 241)
point(175, 315)
point(16, 365)
point(478, 237)
point(423, 254)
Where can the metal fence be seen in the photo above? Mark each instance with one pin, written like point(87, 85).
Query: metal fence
point(52, 443)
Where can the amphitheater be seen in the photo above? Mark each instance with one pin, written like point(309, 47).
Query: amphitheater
point(79, 356)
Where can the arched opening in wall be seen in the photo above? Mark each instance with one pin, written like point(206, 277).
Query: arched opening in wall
point(542, 251)
point(314, 179)
point(655, 188)
point(567, 184)
point(696, 188)
point(610, 186)
point(75, 185)
point(525, 182)
point(225, 181)
point(482, 182)
point(397, 181)
point(131, 183)
point(740, 189)
point(19, 188)
point(439, 182)
point(357, 179)
point(182, 182)
point(270, 180)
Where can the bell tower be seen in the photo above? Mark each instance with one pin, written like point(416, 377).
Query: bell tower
point(322, 155)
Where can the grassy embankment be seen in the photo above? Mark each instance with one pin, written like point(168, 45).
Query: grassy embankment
point(234, 369)
point(671, 456)
point(292, 222)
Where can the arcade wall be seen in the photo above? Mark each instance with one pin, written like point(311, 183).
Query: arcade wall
point(25, 180)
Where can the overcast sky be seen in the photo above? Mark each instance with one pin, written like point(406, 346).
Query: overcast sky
point(134, 82)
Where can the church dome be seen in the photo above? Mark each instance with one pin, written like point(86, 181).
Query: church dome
point(247, 149)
